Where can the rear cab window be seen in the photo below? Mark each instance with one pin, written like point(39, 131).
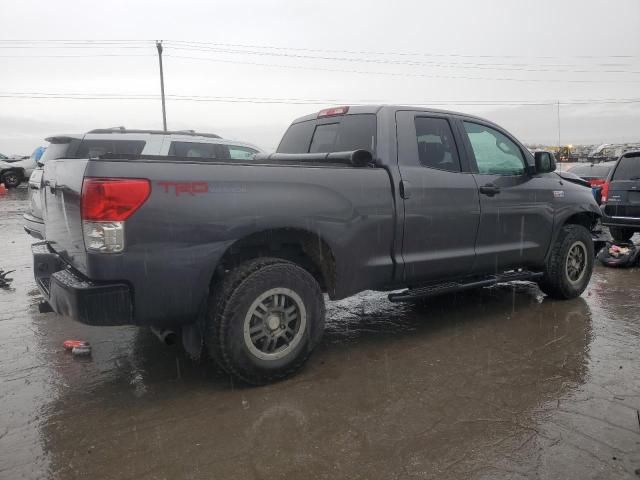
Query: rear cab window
point(628, 168)
point(333, 134)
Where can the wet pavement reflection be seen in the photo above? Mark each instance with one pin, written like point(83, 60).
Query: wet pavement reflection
point(497, 383)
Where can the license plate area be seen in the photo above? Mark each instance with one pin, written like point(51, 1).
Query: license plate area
point(633, 198)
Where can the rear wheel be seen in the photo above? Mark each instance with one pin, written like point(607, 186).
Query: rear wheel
point(11, 179)
point(621, 234)
point(265, 318)
point(570, 263)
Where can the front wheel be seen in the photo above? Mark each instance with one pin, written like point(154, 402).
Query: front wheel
point(11, 179)
point(570, 263)
point(265, 318)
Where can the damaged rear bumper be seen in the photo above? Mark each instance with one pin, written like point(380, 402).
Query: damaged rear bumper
point(70, 294)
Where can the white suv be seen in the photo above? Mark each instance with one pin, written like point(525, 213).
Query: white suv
point(183, 144)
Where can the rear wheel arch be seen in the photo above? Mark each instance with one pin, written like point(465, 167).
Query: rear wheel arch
point(301, 247)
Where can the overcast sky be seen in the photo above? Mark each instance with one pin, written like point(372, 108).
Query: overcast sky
point(299, 56)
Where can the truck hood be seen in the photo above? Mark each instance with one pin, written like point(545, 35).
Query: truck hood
point(572, 177)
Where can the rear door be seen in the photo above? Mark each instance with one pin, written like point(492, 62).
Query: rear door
point(624, 188)
point(517, 210)
point(440, 200)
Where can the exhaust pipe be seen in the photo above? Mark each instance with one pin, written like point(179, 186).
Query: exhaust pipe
point(168, 337)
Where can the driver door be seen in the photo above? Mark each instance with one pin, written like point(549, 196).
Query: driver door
point(516, 213)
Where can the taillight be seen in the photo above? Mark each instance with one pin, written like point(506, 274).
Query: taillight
point(105, 205)
point(604, 193)
point(112, 199)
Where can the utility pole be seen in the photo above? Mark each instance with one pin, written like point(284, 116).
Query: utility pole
point(164, 111)
point(558, 121)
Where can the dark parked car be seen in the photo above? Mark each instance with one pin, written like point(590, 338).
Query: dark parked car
point(594, 173)
point(621, 197)
point(237, 254)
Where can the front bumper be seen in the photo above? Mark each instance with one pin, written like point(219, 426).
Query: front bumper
point(33, 226)
point(71, 294)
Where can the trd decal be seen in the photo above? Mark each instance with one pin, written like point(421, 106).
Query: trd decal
point(190, 188)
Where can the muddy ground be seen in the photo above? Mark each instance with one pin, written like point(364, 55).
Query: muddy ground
point(495, 384)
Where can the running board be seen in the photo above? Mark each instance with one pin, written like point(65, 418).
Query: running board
point(434, 289)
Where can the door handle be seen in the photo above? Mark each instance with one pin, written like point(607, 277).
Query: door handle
point(490, 190)
point(405, 189)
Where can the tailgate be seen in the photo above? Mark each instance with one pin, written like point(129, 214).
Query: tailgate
point(62, 187)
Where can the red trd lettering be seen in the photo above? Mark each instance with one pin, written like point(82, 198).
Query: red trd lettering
point(190, 188)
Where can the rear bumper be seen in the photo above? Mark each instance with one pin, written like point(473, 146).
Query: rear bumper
point(620, 221)
point(621, 215)
point(33, 226)
point(72, 295)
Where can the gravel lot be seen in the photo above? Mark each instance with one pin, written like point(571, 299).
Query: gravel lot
point(500, 383)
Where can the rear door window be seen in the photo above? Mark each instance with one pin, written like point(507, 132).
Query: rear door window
point(436, 146)
point(339, 134)
point(628, 168)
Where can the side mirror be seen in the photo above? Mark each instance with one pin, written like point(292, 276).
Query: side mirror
point(545, 162)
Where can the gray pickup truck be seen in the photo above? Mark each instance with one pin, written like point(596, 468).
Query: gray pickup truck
point(236, 254)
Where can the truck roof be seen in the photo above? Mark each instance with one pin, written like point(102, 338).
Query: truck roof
point(154, 132)
point(374, 109)
point(130, 132)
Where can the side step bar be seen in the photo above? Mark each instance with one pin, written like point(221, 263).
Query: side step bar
point(434, 289)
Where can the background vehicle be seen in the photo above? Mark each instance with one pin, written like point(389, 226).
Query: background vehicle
point(238, 253)
point(621, 197)
point(14, 171)
point(594, 173)
point(120, 141)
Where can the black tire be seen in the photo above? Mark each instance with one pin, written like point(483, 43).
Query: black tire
point(557, 281)
point(228, 334)
point(11, 179)
point(621, 234)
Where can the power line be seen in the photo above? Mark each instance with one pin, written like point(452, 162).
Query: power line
point(326, 69)
point(397, 74)
point(257, 100)
point(415, 54)
point(492, 66)
point(188, 47)
point(480, 66)
point(318, 50)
